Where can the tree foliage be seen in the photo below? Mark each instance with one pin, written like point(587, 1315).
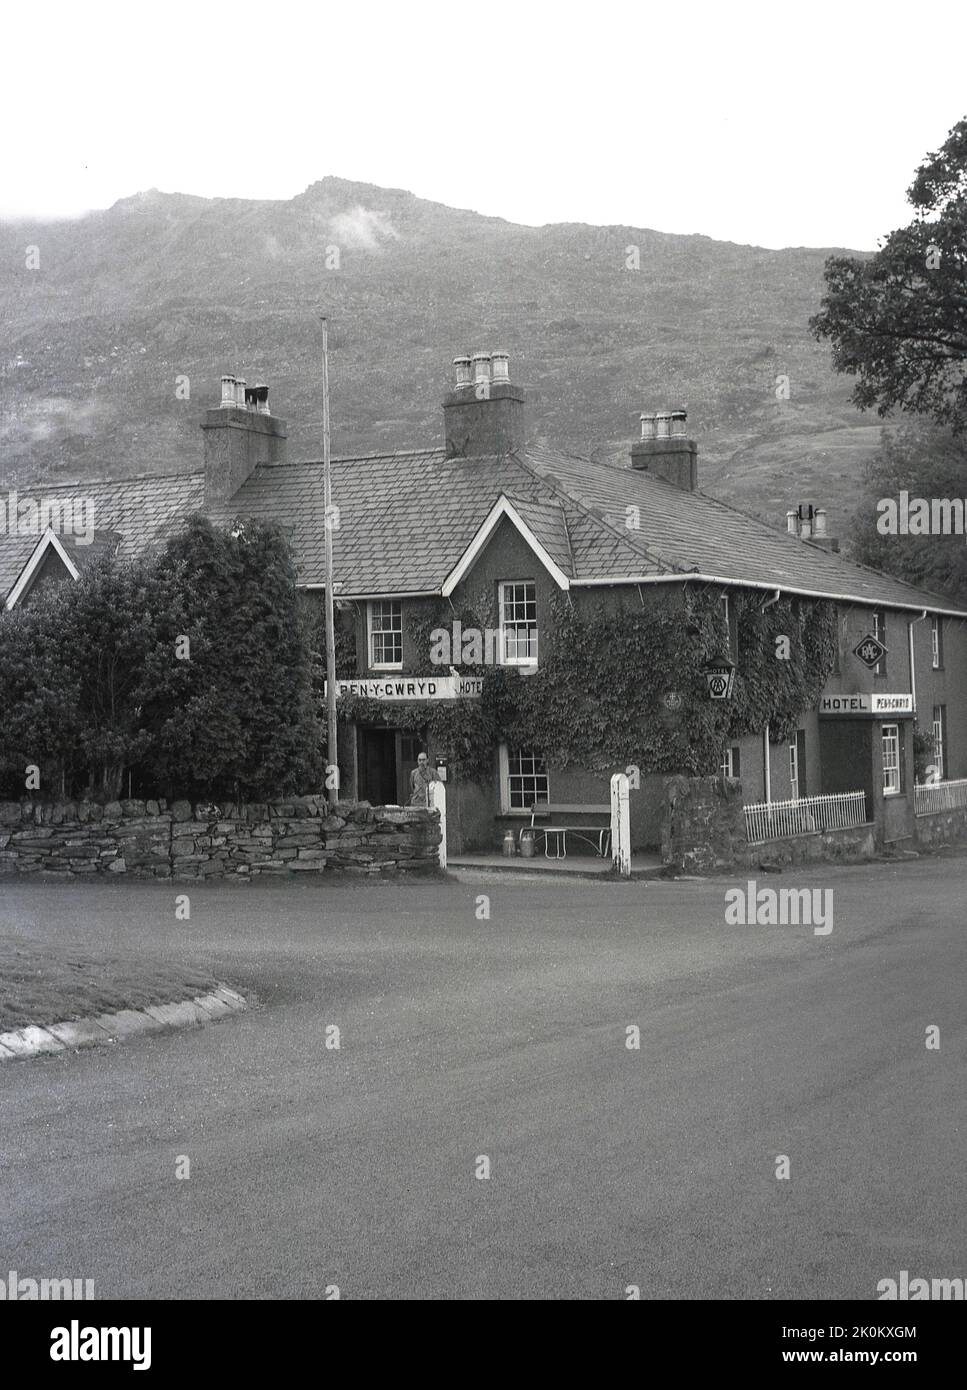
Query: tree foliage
point(897, 321)
point(240, 714)
point(927, 461)
point(190, 671)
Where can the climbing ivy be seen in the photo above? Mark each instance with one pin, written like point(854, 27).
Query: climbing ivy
point(768, 687)
point(625, 686)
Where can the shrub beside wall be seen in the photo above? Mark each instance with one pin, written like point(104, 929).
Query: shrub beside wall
point(150, 839)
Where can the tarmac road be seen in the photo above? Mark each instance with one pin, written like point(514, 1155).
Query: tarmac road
point(506, 1038)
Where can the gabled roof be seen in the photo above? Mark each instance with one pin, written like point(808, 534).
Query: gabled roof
point(48, 541)
point(540, 523)
point(130, 514)
point(679, 532)
point(407, 520)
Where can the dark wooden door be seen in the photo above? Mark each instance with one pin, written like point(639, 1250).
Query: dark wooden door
point(377, 765)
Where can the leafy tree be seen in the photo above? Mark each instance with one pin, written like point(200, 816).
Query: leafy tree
point(233, 710)
point(926, 461)
point(112, 621)
point(92, 682)
point(897, 321)
point(40, 723)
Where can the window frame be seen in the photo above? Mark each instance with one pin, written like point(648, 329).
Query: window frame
point(794, 770)
point(506, 791)
point(371, 633)
point(897, 741)
point(730, 763)
point(731, 630)
point(516, 624)
point(938, 727)
point(936, 643)
point(879, 632)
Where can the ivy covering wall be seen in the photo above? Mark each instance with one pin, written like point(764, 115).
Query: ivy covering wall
point(620, 686)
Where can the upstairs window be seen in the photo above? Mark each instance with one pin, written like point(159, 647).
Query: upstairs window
point(731, 631)
point(936, 643)
point(879, 631)
point(385, 618)
point(518, 623)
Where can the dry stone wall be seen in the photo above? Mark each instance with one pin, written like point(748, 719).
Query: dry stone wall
point(152, 839)
point(703, 831)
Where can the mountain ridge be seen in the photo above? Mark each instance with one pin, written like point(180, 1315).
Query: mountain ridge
point(132, 306)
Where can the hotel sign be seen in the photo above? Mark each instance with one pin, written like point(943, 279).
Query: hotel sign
point(396, 688)
point(875, 705)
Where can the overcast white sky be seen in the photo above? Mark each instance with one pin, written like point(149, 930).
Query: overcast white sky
point(776, 124)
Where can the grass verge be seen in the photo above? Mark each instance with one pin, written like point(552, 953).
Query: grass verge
point(45, 985)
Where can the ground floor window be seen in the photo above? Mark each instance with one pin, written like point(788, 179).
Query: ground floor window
point(939, 740)
point(730, 766)
point(892, 760)
point(523, 779)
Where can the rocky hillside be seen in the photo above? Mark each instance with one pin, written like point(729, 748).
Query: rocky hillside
point(124, 305)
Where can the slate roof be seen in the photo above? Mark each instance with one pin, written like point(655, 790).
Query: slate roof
point(141, 511)
point(407, 518)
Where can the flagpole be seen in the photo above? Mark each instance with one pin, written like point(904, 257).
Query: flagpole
point(332, 749)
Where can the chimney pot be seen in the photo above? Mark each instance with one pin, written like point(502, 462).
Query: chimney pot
point(665, 451)
point(792, 523)
point(484, 413)
point(481, 368)
point(819, 529)
point(235, 446)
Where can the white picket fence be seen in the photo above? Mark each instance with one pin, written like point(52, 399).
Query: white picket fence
point(777, 820)
point(941, 796)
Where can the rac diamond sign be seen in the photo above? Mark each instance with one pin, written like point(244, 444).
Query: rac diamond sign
point(870, 651)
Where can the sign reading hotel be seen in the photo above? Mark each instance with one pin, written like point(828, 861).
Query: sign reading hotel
point(866, 704)
point(394, 688)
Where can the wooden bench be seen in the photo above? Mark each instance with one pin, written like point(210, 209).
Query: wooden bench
point(597, 836)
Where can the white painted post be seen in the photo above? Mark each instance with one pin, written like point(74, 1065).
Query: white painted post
point(438, 802)
point(620, 825)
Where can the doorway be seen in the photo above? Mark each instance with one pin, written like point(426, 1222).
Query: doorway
point(376, 764)
point(385, 759)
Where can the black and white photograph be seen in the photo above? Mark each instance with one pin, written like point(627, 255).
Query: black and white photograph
point(483, 674)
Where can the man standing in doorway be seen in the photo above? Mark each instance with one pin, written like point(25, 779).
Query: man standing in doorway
point(420, 778)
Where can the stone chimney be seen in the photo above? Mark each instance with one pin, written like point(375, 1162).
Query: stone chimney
point(809, 523)
point(484, 412)
point(665, 450)
point(239, 435)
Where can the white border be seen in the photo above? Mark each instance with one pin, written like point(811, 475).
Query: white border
point(29, 572)
point(502, 508)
